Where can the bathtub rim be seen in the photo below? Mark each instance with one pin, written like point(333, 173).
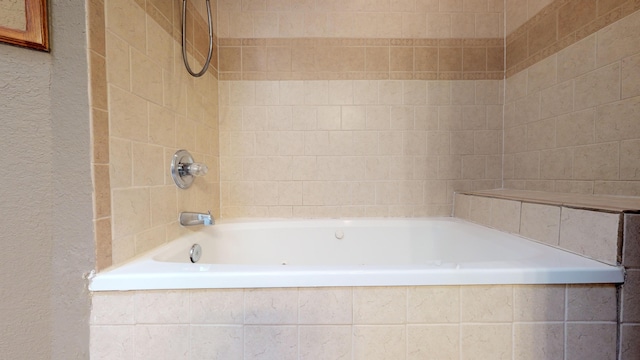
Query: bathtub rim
point(149, 274)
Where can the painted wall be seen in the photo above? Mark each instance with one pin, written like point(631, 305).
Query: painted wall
point(28, 194)
point(45, 213)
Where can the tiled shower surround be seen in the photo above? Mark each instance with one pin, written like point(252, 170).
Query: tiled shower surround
point(577, 85)
point(144, 108)
point(366, 108)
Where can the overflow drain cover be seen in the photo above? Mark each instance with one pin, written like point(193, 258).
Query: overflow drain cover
point(195, 253)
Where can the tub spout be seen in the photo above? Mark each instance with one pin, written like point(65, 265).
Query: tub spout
point(194, 218)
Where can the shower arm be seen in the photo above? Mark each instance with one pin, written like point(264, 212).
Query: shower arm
point(184, 40)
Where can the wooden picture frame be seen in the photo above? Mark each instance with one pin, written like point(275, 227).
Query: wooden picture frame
point(35, 34)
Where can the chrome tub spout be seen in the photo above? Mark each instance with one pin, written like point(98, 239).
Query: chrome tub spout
point(194, 218)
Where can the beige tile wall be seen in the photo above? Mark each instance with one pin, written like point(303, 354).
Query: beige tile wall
point(323, 148)
point(135, 60)
point(443, 322)
point(571, 120)
point(537, 29)
point(360, 40)
point(518, 12)
point(99, 132)
point(145, 107)
point(361, 18)
point(349, 108)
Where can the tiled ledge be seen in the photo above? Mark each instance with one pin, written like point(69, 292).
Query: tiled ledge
point(579, 201)
point(589, 226)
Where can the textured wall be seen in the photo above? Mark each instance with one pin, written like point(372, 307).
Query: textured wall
point(46, 203)
point(27, 195)
point(72, 228)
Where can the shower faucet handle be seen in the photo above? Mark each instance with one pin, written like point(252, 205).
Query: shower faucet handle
point(195, 169)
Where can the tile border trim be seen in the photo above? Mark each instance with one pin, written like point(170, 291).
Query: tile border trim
point(527, 31)
point(488, 66)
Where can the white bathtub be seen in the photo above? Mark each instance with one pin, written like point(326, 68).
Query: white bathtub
point(362, 252)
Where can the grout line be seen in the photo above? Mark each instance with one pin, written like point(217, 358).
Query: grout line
point(353, 326)
point(460, 322)
point(619, 321)
point(566, 316)
point(513, 322)
point(406, 322)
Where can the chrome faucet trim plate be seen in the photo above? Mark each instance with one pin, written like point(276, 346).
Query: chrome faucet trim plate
point(184, 169)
